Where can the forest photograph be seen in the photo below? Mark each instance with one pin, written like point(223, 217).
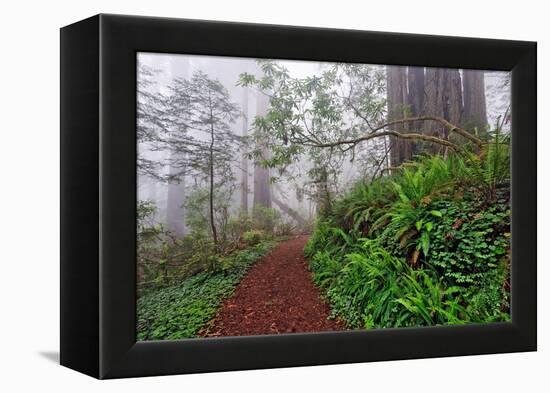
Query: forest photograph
point(278, 196)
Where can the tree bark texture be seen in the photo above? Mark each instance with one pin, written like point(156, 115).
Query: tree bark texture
point(175, 211)
point(262, 183)
point(175, 198)
point(415, 100)
point(475, 107)
point(244, 158)
point(443, 98)
point(211, 196)
point(397, 109)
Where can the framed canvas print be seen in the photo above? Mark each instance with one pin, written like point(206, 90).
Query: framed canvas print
point(239, 196)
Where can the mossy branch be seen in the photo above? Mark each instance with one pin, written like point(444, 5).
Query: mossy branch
point(376, 133)
point(410, 136)
point(451, 127)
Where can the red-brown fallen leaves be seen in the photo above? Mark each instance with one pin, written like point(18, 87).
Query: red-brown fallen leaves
point(276, 296)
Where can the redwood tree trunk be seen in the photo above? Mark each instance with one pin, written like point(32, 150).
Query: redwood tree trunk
point(262, 183)
point(262, 186)
point(211, 196)
point(443, 98)
point(175, 211)
point(435, 82)
point(415, 100)
point(453, 96)
point(175, 198)
point(244, 158)
point(397, 103)
point(475, 107)
point(415, 97)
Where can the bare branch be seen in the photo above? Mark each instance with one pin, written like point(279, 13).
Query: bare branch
point(445, 123)
point(410, 136)
point(381, 162)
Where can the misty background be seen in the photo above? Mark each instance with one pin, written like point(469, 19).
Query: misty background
point(169, 197)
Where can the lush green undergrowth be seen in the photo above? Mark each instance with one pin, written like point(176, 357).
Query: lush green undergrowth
point(180, 311)
point(164, 259)
point(426, 245)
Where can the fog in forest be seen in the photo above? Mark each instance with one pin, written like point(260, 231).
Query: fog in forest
point(281, 196)
point(293, 187)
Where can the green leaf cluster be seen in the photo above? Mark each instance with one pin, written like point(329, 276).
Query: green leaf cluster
point(467, 243)
point(180, 311)
point(428, 244)
point(374, 289)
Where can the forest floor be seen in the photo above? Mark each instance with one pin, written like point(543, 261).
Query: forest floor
point(276, 296)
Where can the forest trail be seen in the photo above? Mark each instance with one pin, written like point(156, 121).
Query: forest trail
point(276, 296)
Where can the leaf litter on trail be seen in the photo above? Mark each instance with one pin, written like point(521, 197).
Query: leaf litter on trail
point(276, 296)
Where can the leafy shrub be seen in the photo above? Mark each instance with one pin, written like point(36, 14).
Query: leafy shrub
point(409, 229)
point(253, 237)
point(319, 239)
point(426, 179)
point(180, 311)
point(237, 226)
point(326, 267)
point(357, 210)
point(194, 252)
point(145, 211)
point(438, 235)
point(489, 301)
point(265, 218)
point(156, 248)
point(197, 212)
point(375, 289)
point(285, 228)
point(331, 239)
point(497, 160)
point(469, 242)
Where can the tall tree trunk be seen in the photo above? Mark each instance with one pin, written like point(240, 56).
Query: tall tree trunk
point(175, 192)
point(262, 186)
point(475, 107)
point(443, 98)
point(323, 197)
point(433, 105)
point(453, 96)
point(397, 100)
point(415, 100)
point(262, 178)
point(415, 97)
point(211, 196)
point(175, 211)
point(244, 158)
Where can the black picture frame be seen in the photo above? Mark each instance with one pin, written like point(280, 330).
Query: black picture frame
point(98, 196)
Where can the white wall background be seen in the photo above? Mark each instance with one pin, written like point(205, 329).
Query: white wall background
point(29, 200)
